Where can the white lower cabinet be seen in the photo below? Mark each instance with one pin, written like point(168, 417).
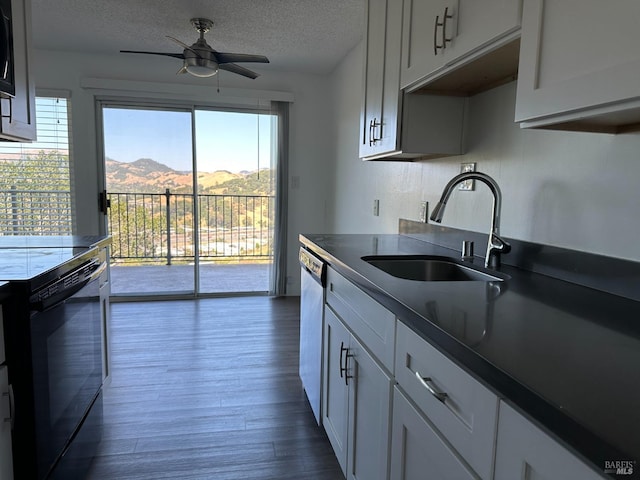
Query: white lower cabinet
point(356, 404)
point(395, 407)
point(462, 409)
point(524, 451)
point(418, 452)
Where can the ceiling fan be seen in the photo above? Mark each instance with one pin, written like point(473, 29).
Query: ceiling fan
point(201, 60)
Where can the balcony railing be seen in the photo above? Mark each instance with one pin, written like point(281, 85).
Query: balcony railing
point(153, 226)
point(149, 226)
point(30, 212)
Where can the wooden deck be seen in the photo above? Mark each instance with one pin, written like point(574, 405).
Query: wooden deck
point(172, 279)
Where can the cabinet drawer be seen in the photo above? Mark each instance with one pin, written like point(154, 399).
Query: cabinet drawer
point(373, 324)
point(465, 413)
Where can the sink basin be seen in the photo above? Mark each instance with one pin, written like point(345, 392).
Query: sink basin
point(426, 268)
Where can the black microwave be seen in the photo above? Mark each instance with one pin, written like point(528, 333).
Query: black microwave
point(7, 83)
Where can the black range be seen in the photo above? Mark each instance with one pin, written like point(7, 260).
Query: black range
point(53, 337)
point(565, 354)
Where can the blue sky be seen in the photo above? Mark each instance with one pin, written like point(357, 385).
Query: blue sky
point(224, 140)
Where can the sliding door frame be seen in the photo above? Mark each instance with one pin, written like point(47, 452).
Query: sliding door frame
point(277, 281)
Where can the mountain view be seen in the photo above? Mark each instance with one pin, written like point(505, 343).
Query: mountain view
point(235, 213)
point(148, 176)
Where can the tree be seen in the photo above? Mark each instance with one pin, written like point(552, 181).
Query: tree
point(35, 194)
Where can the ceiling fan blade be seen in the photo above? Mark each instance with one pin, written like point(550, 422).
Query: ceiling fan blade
point(175, 55)
point(232, 67)
point(184, 45)
point(240, 57)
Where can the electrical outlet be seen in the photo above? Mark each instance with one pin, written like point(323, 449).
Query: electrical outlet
point(376, 208)
point(467, 185)
point(424, 211)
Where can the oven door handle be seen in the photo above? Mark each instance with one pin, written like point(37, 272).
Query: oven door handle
point(58, 298)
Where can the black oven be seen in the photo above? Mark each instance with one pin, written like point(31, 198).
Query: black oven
point(56, 369)
point(7, 85)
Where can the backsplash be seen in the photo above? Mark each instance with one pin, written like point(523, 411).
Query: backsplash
point(607, 274)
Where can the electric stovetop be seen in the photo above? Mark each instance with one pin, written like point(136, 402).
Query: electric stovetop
point(24, 264)
point(36, 260)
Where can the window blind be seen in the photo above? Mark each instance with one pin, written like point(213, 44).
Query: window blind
point(35, 178)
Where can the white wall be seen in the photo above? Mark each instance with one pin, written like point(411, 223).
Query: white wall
point(310, 148)
point(575, 190)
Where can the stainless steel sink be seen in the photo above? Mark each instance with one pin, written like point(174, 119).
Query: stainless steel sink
point(427, 268)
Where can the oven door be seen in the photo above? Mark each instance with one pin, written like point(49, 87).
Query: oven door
point(66, 347)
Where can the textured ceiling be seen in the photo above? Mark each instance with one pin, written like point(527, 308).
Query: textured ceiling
point(308, 36)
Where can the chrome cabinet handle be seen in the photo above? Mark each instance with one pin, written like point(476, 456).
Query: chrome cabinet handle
point(373, 124)
point(436, 47)
point(344, 369)
point(446, 17)
point(444, 38)
point(371, 141)
point(428, 384)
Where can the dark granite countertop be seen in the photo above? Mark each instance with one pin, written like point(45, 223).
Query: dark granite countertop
point(565, 355)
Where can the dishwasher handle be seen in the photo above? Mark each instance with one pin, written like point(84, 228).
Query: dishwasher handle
point(314, 265)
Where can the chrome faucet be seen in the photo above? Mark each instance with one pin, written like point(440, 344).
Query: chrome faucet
point(496, 245)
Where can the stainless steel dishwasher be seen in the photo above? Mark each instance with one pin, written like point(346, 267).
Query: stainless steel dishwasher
point(312, 282)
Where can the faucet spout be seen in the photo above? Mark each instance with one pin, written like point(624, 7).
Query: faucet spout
point(495, 245)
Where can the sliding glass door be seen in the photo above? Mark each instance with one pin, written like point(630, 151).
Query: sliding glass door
point(235, 199)
point(191, 199)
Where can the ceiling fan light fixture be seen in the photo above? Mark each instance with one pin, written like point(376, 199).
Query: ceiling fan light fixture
point(200, 67)
point(200, 71)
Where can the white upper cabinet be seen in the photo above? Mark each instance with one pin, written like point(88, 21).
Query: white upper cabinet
point(394, 125)
point(18, 113)
point(381, 99)
point(442, 35)
point(580, 65)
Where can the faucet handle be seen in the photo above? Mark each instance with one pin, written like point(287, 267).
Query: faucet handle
point(500, 245)
point(494, 249)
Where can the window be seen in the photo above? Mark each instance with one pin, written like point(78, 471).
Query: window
point(35, 187)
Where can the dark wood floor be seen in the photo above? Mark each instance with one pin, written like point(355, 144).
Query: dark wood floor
point(209, 389)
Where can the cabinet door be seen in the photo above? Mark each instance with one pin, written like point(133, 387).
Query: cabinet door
point(441, 34)
point(381, 98)
point(369, 416)
point(524, 451)
point(18, 114)
point(480, 23)
point(417, 451)
point(579, 62)
point(421, 38)
point(335, 403)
